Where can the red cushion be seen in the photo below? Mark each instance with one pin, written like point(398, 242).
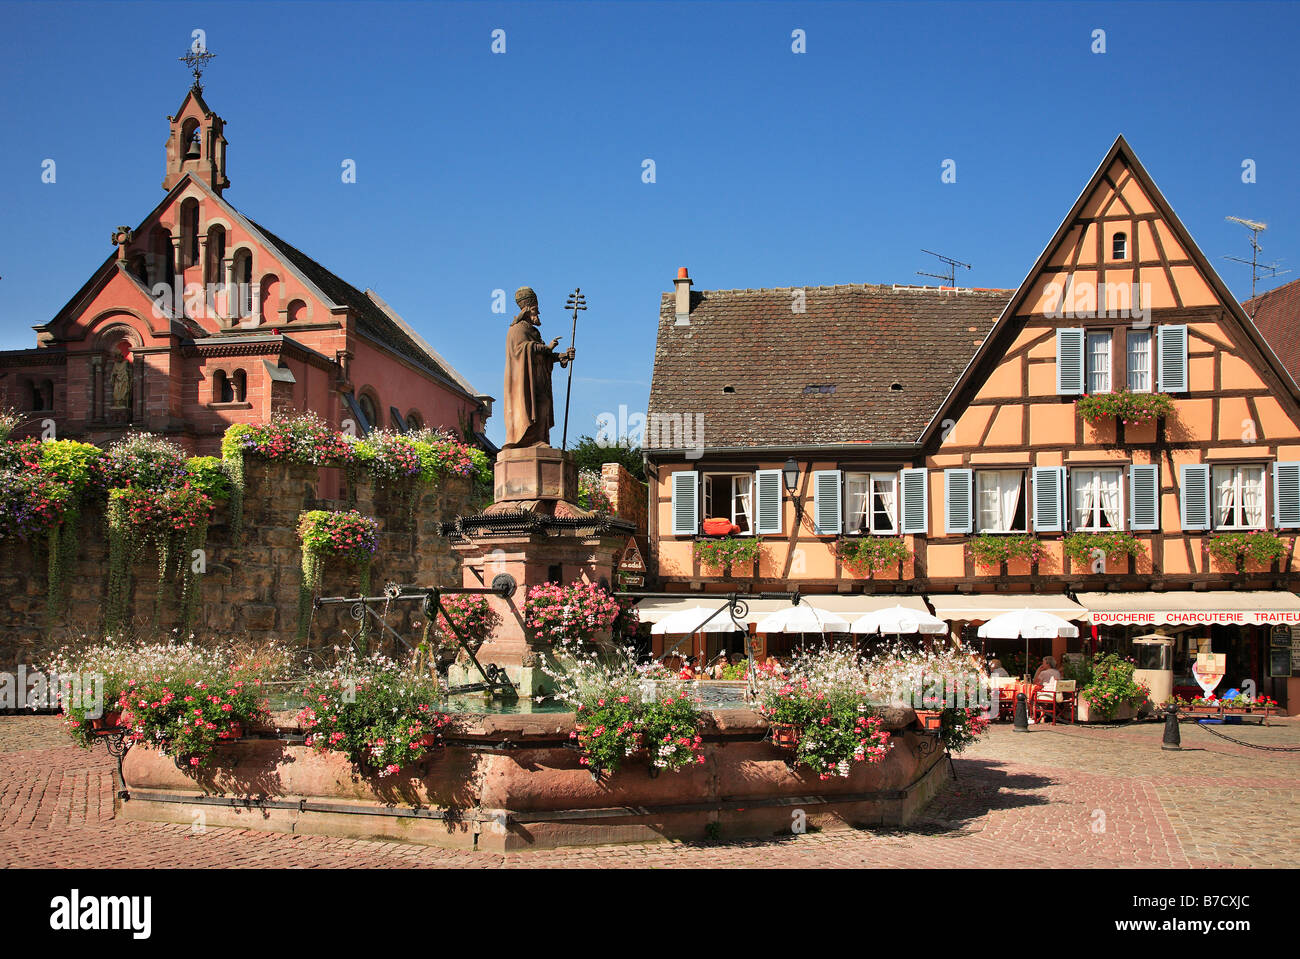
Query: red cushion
point(720, 527)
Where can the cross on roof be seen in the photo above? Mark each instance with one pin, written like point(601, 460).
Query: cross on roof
point(197, 61)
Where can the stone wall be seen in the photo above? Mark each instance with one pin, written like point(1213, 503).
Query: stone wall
point(631, 497)
point(251, 588)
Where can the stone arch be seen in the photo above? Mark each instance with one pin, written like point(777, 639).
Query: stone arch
point(368, 403)
point(223, 390)
point(116, 344)
point(188, 227)
point(242, 271)
point(414, 420)
point(270, 290)
point(191, 145)
point(298, 311)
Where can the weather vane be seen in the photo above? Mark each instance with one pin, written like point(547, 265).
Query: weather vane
point(197, 61)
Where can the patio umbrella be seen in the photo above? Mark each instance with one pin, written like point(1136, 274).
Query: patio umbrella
point(1028, 624)
point(692, 621)
point(899, 619)
point(802, 619)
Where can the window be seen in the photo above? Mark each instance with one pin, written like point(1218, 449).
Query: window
point(1119, 247)
point(1239, 497)
point(871, 503)
point(1098, 355)
point(730, 496)
point(1139, 361)
point(239, 386)
point(222, 389)
point(1000, 501)
point(1096, 501)
point(368, 411)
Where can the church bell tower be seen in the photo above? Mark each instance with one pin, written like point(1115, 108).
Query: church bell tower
point(195, 141)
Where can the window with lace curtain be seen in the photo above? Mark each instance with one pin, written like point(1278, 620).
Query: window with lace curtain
point(1238, 497)
point(1096, 499)
point(871, 503)
point(1000, 505)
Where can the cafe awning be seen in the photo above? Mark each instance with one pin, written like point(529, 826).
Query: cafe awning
point(848, 605)
point(985, 606)
point(1225, 607)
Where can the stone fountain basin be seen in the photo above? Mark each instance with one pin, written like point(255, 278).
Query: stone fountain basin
point(507, 782)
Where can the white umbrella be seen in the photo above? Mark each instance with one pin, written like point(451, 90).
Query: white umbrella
point(692, 621)
point(899, 619)
point(802, 619)
point(1028, 624)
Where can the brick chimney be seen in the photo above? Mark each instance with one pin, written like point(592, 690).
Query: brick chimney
point(683, 285)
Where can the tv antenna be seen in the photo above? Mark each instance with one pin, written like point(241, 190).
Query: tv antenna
point(1256, 268)
point(951, 275)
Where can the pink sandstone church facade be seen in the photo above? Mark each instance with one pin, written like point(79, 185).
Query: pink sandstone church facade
point(201, 318)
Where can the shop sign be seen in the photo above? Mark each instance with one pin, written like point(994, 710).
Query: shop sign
point(1209, 669)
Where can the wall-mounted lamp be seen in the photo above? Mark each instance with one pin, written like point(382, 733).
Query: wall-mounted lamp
point(790, 476)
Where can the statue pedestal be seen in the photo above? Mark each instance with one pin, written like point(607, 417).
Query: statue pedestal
point(535, 473)
point(536, 533)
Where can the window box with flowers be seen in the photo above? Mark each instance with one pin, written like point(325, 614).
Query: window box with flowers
point(725, 553)
point(862, 556)
point(991, 550)
point(1136, 409)
point(1090, 552)
point(1233, 550)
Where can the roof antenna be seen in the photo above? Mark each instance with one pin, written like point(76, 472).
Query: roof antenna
point(951, 275)
point(1255, 228)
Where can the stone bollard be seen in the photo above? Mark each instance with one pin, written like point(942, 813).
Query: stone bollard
point(1021, 724)
point(1173, 736)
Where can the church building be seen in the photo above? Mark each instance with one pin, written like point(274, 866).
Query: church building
point(201, 317)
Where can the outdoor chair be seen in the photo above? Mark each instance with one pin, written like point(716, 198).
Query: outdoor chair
point(1057, 702)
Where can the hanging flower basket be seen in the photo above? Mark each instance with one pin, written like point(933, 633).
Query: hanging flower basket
point(930, 719)
point(785, 736)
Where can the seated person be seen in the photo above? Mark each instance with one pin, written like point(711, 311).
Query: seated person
point(996, 668)
point(1047, 673)
point(719, 666)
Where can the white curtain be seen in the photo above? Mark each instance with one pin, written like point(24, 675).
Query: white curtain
point(1108, 480)
point(742, 487)
point(999, 499)
point(1225, 498)
point(1252, 496)
point(1139, 361)
point(858, 503)
point(887, 502)
point(1083, 498)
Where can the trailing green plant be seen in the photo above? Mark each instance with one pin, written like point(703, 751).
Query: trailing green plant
point(1124, 406)
point(342, 533)
point(990, 550)
point(863, 555)
point(724, 552)
point(76, 467)
point(1261, 547)
point(1081, 547)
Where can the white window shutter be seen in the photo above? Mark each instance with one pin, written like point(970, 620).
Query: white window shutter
point(686, 503)
point(1171, 359)
point(1069, 361)
point(916, 501)
point(1144, 496)
point(826, 502)
point(1049, 483)
point(1286, 495)
point(768, 485)
point(958, 510)
point(1194, 498)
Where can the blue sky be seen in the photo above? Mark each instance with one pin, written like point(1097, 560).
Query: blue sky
point(479, 171)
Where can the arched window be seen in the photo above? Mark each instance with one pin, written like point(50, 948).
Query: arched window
point(47, 394)
point(191, 140)
point(222, 390)
point(240, 386)
point(216, 254)
point(1119, 247)
point(297, 311)
point(243, 280)
point(189, 233)
point(269, 291)
point(367, 405)
point(414, 421)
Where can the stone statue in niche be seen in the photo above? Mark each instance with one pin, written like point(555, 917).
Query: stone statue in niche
point(530, 409)
point(121, 380)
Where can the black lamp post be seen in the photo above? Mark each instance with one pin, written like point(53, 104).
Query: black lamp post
point(790, 476)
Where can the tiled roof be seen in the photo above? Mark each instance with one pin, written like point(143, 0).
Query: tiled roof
point(824, 376)
point(371, 318)
point(1277, 316)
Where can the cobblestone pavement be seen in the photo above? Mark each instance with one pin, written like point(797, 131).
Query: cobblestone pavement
point(1071, 796)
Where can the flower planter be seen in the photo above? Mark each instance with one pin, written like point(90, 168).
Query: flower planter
point(236, 731)
point(110, 720)
point(1087, 714)
point(785, 735)
point(929, 718)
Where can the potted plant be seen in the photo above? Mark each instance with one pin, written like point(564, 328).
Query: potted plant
point(726, 552)
point(1085, 549)
point(864, 555)
point(1111, 692)
point(1233, 550)
point(991, 550)
point(1129, 408)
